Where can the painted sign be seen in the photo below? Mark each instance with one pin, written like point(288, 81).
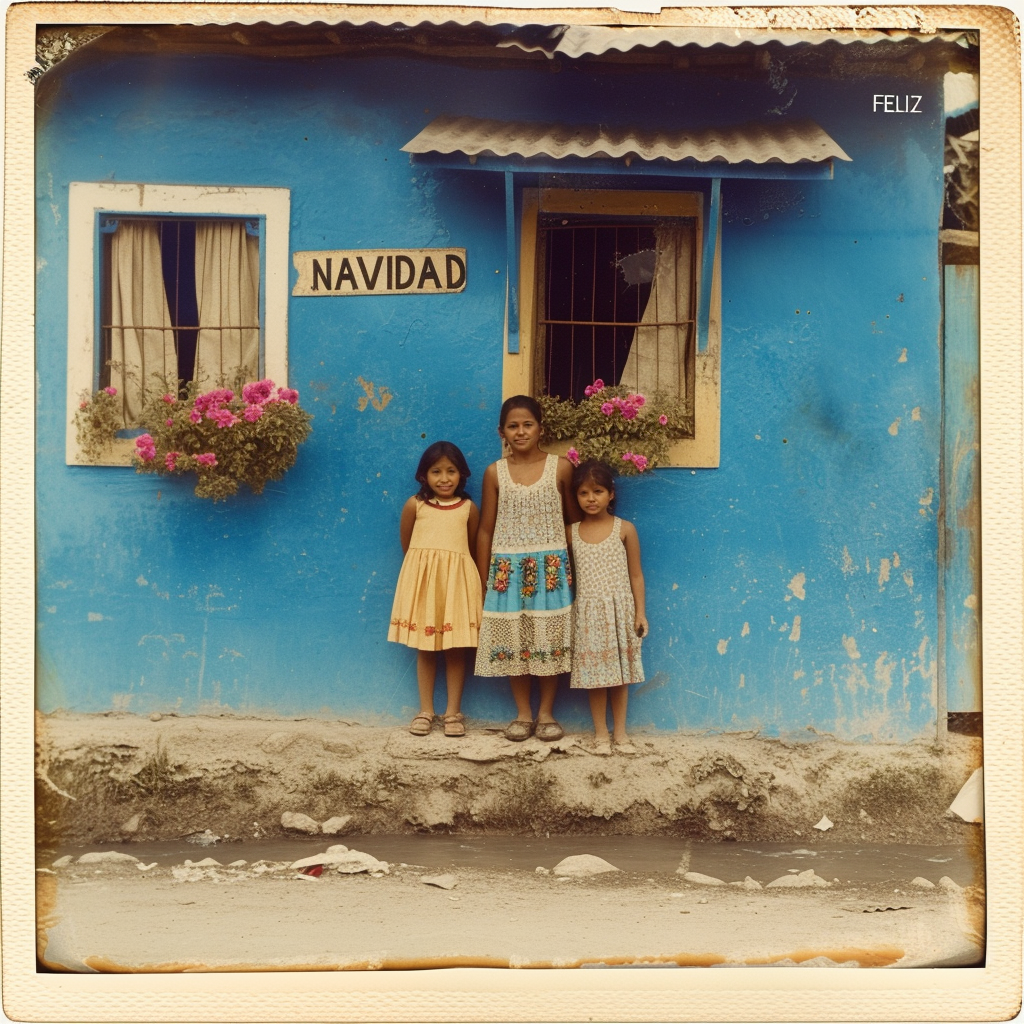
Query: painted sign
point(380, 272)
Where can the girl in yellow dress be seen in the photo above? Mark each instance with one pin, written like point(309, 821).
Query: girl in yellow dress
point(438, 598)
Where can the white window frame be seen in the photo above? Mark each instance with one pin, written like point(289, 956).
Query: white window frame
point(519, 374)
point(87, 200)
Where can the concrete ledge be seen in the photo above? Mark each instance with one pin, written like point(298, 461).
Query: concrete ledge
point(112, 777)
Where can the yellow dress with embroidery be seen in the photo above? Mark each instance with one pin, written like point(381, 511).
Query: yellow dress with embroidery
point(438, 599)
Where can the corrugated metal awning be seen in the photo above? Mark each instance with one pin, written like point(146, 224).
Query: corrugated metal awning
point(787, 142)
point(584, 40)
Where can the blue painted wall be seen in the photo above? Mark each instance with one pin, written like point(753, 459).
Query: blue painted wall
point(794, 587)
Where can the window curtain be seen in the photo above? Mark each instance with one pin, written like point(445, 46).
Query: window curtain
point(143, 358)
point(228, 295)
point(657, 353)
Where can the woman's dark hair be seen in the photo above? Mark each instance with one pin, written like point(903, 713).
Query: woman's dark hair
point(597, 472)
point(531, 405)
point(437, 451)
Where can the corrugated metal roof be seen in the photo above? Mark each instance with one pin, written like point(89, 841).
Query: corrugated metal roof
point(787, 142)
point(583, 40)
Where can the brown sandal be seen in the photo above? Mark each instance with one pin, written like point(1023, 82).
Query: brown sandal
point(519, 730)
point(422, 724)
point(453, 724)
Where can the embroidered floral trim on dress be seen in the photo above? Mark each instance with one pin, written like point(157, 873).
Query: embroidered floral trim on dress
point(500, 654)
point(528, 568)
point(431, 630)
point(552, 565)
point(405, 624)
point(501, 569)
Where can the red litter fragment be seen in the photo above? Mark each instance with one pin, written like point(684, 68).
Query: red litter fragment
point(316, 870)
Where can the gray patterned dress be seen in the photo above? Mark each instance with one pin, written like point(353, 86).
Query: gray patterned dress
point(606, 649)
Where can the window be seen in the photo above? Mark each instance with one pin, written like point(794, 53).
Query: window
point(610, 285)
point(169, 283)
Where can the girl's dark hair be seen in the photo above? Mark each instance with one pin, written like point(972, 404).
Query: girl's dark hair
point(599, 473)
point(437, 451)
point(531, 405)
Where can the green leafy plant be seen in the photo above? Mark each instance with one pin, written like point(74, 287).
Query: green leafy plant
point(98, 419)
point(224, 438)
point(623, 429)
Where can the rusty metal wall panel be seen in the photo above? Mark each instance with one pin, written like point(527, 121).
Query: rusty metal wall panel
point(786, 142)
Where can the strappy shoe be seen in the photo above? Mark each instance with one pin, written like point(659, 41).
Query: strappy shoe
point(453, 724)
point(421, 724)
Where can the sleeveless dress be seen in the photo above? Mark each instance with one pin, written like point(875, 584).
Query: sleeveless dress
point(527, 621)
point(437, 600)
point(606, 649)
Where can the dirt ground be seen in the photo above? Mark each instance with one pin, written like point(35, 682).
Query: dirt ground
point(121, 777)
point(116, 918)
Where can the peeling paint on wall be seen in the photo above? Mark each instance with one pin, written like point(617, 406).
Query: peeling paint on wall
point(723, 645)
point(794, 635)
point(746, 629)
point(894, 427)
point(884, 568)
point(796, 584)
point(851, 647)
point(848, 568)
point(377, 397)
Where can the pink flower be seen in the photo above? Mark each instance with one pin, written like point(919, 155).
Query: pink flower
point(169, 399)
point(195, 416)
point(83, 405)
point(638, 400)
point(598, 385)
point(258, 391)
point(663, 419)
point(170, 459)
point(207, 459)
point(111, 391)
point(573, 456)
point(627, 456)
point(607, 408)
point(169, 421)
point(213, 399)
point(223, 418)
point(640, 461)
point(629, 412)
point(253, 413)
point(288, 395)
point(145, 447)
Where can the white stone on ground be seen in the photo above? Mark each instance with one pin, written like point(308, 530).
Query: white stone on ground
point(295, 822)
point(582, 865)
point(947, 883)
point(696, 878)
point(132, 824)
point(799, 881)
point(537, 870)
point(206, 862)
point(824, 825)
point(748, 883)
point(104, 856)
point(237, 864)
point(332, 826)
point(441, 881)
point(922, 883)
point(347, 862)
point(63, 862)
